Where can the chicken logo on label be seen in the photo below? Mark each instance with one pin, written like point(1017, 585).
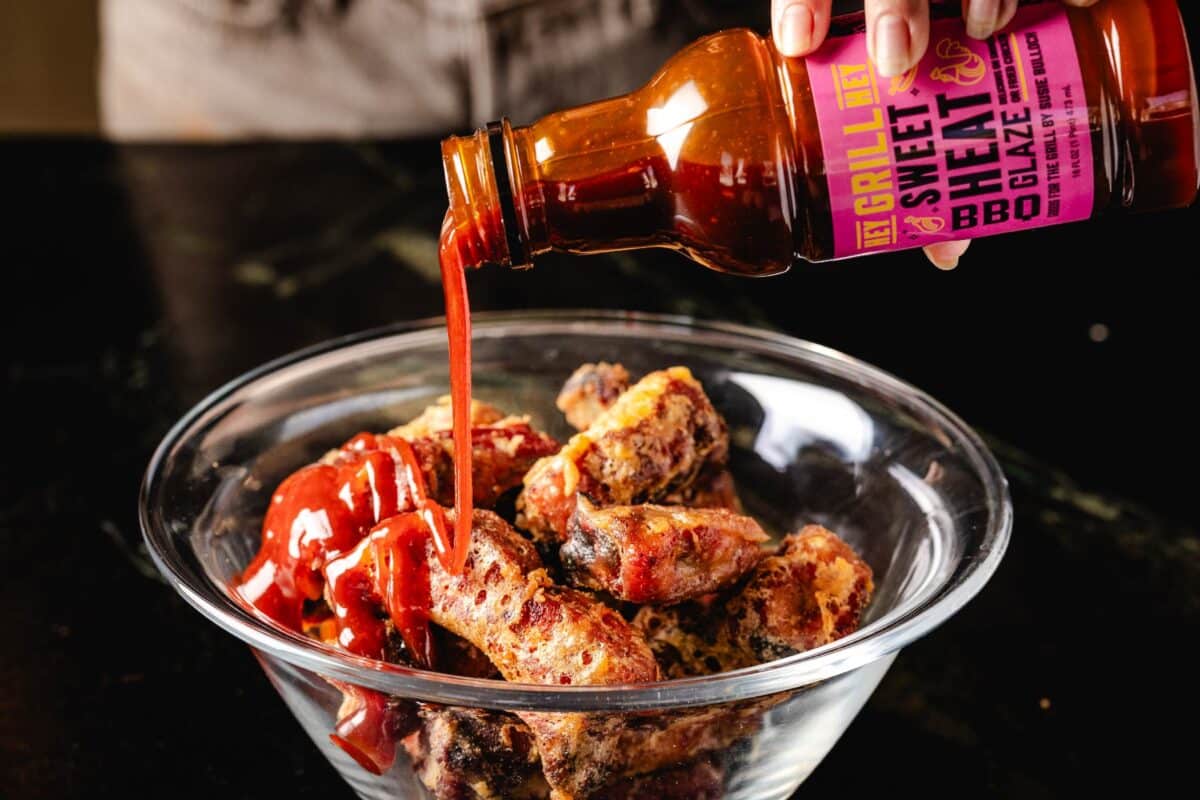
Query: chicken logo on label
point(902, 83)
point(926, 225)
point(961, 65)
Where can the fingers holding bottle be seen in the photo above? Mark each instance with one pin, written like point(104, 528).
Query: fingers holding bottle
point(799, 26)
point(945, 255)
point(986, 17)
point(897, 34)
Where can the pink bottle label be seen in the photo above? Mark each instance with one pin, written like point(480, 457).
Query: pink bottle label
point(982, 137)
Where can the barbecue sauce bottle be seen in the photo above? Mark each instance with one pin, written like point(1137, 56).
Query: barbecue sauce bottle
point(746, 161)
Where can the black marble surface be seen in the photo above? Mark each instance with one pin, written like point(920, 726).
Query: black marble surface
point(137, 279)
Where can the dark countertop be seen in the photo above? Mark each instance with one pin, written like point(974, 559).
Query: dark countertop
point(139, 278)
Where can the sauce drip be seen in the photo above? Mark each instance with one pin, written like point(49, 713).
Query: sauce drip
point(458, 332)
point(316, 511)
point(390, 568)
point(370, 724)
point(389, 565)
point(357, 531)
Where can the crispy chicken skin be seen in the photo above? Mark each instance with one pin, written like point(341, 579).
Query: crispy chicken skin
point(658, 554)
point(655, 439)
point(534, 631)
point(684, 638)
point(584, 753)
point(699, 780)
point(590, 391)
point(475, 754)
point(811, 592)
point(502, 451)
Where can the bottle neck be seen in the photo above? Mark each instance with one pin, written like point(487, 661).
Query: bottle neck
point(483, 208)
point(579, 180)
point(699, 160)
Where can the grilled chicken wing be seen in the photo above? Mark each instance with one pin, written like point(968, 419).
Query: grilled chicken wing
point(475, 754)
point(533, 630)
point(655, 439)
point(584, 753)
point(811, 592)
point(590, 391)
point(699, 780)
point(658, 554)
point(501, 453)
point(712, 488)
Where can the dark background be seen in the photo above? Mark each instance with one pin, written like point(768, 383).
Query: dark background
point(139, 278)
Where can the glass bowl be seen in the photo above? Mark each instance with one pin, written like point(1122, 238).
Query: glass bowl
point(816, 437)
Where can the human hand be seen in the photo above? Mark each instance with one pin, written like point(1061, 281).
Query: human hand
point(897, 36)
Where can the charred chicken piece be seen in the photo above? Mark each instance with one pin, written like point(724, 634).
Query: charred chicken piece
point(503, 450)
point(685, 638)
point(658, 554)
point(585, 754)
point(654, 440)
point(590, 755)
point(501, 453)
point(475, 754)
point(534, 631)
point(699, 780)
point(505, 604)
point(713, 488)
point(590, 391)
point(811, 592)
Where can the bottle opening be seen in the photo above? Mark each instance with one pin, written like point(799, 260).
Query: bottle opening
point(518, 253)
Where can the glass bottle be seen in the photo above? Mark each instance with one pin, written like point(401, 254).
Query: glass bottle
point(746, 161)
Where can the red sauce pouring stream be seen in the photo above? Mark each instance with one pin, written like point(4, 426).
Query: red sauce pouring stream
point(458, 331)
point(364, 522)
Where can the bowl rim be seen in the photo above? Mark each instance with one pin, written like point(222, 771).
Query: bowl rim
point(881, 638)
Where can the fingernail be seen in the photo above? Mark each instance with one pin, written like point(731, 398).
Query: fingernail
point(796, 30)
point(982, 16)
point(893, 45)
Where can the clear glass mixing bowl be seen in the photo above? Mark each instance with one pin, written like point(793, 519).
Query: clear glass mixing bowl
point(817, 437)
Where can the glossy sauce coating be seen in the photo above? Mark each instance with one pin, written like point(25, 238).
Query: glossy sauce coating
point(325, 510)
